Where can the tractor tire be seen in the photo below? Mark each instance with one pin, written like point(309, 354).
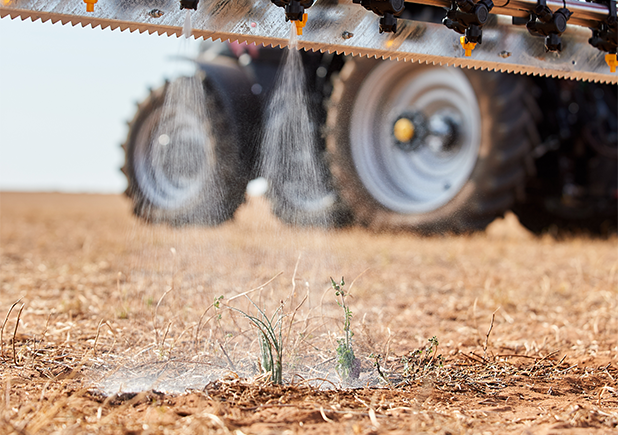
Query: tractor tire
point(456, 181)
point(575, 187)
point(189, 155)
point(293, 151)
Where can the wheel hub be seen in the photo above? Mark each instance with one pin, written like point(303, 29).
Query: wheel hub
point(413, 130)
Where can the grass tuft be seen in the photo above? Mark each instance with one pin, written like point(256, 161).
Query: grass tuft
point(271, 340)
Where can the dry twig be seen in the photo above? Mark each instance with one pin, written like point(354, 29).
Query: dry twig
point(154, 316)
point(15, 333)
point(96, 339)
point(491, 326)
point(6, 319)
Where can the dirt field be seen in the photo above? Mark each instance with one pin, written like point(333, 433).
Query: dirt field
point(110, 305)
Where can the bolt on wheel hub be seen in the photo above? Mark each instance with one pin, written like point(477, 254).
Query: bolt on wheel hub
point(412, 131)
point(403, 130)
point(409, 131)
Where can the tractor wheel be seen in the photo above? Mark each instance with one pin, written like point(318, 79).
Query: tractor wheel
point(575, 186)
point(426, 148)
point(187, 152)
point(293, 150)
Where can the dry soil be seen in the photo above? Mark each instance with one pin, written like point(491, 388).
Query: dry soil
point(106, 304)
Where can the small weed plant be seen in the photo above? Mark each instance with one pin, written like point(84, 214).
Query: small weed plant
point(347, 364)
point(376, 363)
point(422, 361)
point(270, 338)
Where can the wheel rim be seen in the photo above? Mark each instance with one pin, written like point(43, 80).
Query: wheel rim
point(171, 159)
point(421, 178)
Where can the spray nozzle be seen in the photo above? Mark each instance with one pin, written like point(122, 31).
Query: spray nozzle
point(294, 9)
point(610, 58)
point(467, 46)
point(300, 24)
point(90, 5)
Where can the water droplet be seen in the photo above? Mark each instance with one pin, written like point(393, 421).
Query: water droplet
point(256, 89)
point(244, 59)
point(257, 187)
point(164, 140)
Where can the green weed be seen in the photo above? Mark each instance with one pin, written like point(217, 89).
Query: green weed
point(376, 363)
point(271, 341)
point(420, 362)
point(348, 365)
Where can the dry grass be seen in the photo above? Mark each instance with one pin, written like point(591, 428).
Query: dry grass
point(101, 291)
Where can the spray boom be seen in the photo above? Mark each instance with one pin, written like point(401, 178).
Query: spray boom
point(507, 36)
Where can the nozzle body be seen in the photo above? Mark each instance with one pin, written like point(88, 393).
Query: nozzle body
point(189, 4)
point(90, 5)
point(300, 24)
point(612, 62)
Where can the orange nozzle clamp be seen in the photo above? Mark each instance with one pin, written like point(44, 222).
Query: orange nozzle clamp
point(90, 5)
point(300, 24)
point(467, 46)
point(610, 58)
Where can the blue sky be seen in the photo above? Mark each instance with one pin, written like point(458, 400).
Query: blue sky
point(65, 96)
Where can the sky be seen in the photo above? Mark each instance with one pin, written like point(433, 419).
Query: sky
point(66, 94)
